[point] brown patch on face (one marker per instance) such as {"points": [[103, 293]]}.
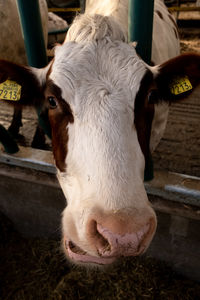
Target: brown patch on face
{"points": [[144, 113], [59, 118], [159, 14]]}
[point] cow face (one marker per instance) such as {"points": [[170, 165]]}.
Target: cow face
{"points": [[96, 148], [101, 108]]}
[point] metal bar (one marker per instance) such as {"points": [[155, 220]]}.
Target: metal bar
{"points": [[183, 8], [82, 5], [170, 186], [31, 24], [32, 31], [141, 26], [29, 158], [64, 9]]}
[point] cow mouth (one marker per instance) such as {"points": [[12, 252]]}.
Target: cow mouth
{"points": [[79, 255]]}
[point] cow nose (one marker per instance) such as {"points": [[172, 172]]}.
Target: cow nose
{"points": [[113, 244]]}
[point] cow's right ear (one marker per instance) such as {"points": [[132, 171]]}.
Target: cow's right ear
{"points": [[20, 84]]}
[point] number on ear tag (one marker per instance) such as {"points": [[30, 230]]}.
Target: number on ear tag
{"points": [[10, 90], [180, 85]]}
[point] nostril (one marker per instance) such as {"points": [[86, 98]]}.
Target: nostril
{"points": [[119, 241], [127, 243], [101, 243]]}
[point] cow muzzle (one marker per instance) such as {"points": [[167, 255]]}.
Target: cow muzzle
{"points": [[111, 239]]}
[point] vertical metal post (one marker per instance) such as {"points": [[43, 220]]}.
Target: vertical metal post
{"points": [[31, 24], [32, 31], [82, 5], [141, 26]]}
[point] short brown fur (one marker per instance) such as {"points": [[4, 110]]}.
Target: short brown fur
{"points": [[59, 118]]}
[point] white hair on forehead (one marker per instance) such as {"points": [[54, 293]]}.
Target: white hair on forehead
{"points": [[94, 27], [97, 66], [107, 65]]}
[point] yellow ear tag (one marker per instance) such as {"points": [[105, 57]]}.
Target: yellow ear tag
{"points": [[10, 90], [180, 85]]}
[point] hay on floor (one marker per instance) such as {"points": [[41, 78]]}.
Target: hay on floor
{"points": [[36, 269]]}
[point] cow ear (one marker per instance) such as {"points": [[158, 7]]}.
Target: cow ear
{"points": [[21, 85], [178, 77]]}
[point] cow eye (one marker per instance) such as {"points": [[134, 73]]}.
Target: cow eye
{"points": [[52, 102], [153, 96]]}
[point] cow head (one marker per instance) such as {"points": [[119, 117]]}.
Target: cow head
{"points": [[100, 98]]}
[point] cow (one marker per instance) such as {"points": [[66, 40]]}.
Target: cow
{"points": [[107, 109], [14, 50]]}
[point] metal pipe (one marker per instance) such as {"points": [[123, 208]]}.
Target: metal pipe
{"points": [[183, 8], [31, 24], [32, 31], [140, 26], [64, 9], [140, 23]]}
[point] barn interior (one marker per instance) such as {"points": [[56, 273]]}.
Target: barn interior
{"points": [[32, 265]]}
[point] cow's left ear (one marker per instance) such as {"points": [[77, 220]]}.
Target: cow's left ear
{"points": [[178, 77], [20, 84]]}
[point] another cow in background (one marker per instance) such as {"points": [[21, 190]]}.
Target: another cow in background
{"points": [[12, 48]]}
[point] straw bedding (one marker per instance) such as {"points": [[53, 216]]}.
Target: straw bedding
{"points": [[36, 269]]}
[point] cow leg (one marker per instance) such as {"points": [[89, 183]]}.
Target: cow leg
{"points": [[39, 139], [16, 122]]}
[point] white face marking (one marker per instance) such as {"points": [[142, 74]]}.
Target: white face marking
{"points": [[103, 182], [104, 162]]}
